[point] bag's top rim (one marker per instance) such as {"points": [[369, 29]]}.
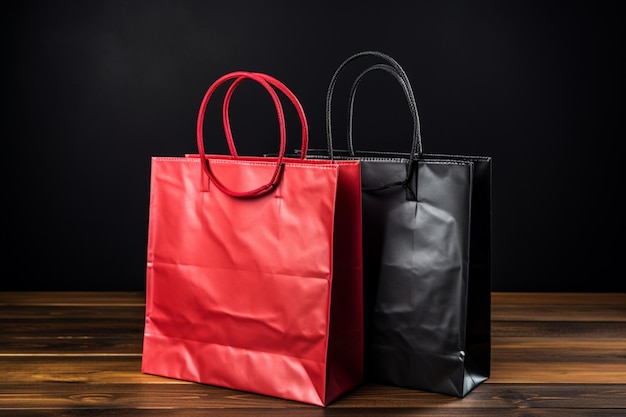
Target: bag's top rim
{"points": [[394, 156]]}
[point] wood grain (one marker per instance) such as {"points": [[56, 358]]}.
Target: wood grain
{"points": [[79, 353]]}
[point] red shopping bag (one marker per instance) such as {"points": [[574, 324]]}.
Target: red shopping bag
{"points": [[254, 267]]}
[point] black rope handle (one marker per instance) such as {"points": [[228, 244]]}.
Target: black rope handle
{"points": [[416, 146], [391, 70], [412, 106]]}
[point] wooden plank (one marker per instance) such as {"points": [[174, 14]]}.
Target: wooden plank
{"points": [[129, 327], [561, 349], [504, 350], [530, 372], [126, 369], [592, 346], [492, 395], [59, 345], [181, 411], [558, 298], [125, 335], [134, 298], [79, 368], [59, 312], [164, 396], [559, 312], [65, 329], [558, 329], [73, 298], [77, 298], [131, 324], [558, 360]]}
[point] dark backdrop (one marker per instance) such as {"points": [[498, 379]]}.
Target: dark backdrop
{"points": [[95, 88]]}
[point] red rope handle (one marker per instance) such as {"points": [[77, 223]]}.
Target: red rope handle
{"points": [[261, 79], [285, 90]]}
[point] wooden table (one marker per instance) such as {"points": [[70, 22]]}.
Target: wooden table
{"points": [[79, 353]]}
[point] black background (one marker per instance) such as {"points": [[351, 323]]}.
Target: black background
{"points": [[95, 88]]}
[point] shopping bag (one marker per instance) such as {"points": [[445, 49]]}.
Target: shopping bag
{"points": [[427, 254], [254, 267]]}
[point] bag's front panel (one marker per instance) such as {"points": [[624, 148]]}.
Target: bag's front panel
{"points": [[239, 289], [242, 231], [416, 255]]}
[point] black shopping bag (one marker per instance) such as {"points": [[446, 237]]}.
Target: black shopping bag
{"points": [[427, 255]]}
